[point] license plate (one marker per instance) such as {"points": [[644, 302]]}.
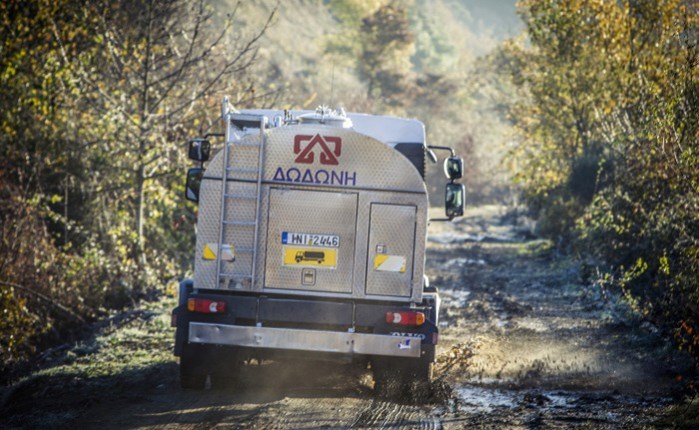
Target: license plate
{"points": [[309, 239]]}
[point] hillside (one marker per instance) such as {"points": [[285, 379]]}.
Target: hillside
{"points": [[451, 40]]}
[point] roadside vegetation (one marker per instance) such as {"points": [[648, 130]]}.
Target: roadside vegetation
{"points": [[98, 100], [125, 356], [607, 121]]}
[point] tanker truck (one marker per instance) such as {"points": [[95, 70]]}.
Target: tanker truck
{"points": [[310, 244]]}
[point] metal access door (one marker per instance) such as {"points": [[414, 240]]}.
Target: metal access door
{"points": [[391, 250], [311, 241]]}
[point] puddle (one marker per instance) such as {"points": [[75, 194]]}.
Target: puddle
{"points": [[457, 298], [483, 399], [454, 237], [461, 262], [478, 399]]}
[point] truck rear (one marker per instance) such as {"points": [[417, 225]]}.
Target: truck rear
{"points": [[311, 243]]}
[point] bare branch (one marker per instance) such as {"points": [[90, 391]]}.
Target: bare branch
{"points": [[44, 298]]}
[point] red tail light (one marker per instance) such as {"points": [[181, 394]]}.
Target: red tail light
{"points": [[206, 306], [405, 318]]}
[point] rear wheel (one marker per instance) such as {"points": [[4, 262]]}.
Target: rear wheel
{"points": [[387, 378], [192, 372], [401, 377], [225, 368], [419, 370]]}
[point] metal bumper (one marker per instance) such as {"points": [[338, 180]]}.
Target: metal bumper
{"points": [[304, 340]]}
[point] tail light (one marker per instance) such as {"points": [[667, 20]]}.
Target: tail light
{"points": [[405, 318], [206, 306]]}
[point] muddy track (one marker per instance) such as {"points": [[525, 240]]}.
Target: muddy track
{"points": [[383, 414], [524, 344]]}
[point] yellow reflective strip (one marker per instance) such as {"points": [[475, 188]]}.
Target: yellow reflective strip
{"points": [[379, 260], [389, 263]]}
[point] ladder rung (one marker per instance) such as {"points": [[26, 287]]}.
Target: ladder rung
{"points": [[235, 275], [245, 144], [245, 123], [239, 222], [240, 196], [247, 120], [242, 169]]}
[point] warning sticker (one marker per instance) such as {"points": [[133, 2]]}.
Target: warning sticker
{"points": [[211, 249], [310, 257], [389, 263]]}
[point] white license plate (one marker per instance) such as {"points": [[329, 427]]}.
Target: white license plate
{"points": [[309, 239]]}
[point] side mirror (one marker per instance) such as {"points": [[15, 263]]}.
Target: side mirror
{"points": [[194, 176], [199, 150], [454, 167], [454, 200]]}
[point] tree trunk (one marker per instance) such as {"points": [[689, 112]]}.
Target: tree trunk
{"points": [[140, 209], [142, 147]]}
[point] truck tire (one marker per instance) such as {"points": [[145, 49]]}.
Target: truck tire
{"points": [[396, 377], [419, 380], [225, 368], [420, 370], [192, 373], [387, 379]]}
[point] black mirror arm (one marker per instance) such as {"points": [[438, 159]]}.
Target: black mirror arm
{"points": [[208, 135], [440, 219], [432, 156], [443, 148]]}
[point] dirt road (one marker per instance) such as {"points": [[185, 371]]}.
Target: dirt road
{"points": [[524, 344]]}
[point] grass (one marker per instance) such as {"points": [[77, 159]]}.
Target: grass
{"points": [[682, 416], [120, 356]]}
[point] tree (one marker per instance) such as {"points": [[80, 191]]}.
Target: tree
{"points": [[572, 72], [153, 70], [608, 118], [387, 46], [378, 43], [97, 97]]}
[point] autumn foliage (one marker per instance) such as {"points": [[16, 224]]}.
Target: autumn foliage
{"points": [[98, 101], [608, 153]]}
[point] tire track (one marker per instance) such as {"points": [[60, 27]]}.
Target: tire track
{"points": [[383, 415]]}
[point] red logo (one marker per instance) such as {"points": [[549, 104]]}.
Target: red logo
{"points": [[306, 154]]}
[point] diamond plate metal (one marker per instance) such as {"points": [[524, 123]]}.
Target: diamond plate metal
{"points": [[392, 227], [312, 212], [364, 162], [377, 175], [207, 232]]}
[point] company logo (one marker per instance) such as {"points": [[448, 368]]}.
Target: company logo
{"points": [[305, 148]]}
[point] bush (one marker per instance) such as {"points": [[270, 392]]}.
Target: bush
{"points": [[609, 122], [45, 292]]}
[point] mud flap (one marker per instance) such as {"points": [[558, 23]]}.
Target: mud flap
{"points": [[181, 316], [397, 376]]}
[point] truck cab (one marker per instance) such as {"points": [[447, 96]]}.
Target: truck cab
{"points": [[311, 240]]}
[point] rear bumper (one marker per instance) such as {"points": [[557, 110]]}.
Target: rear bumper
{"points": [[304, 340]]}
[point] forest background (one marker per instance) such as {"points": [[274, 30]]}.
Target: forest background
{"points": [[584, 113]]}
